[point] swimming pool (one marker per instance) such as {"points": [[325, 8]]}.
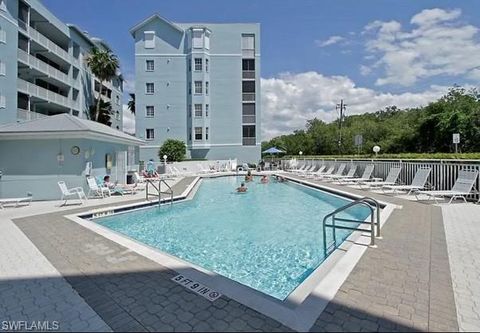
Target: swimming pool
{"points": [[269, 238]]}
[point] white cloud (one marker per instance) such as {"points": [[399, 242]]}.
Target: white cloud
{"points": [[289, 100], [438, 45], [330, 41], [128, 120]]}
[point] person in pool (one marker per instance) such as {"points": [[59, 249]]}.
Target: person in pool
{"points": [[264, 179], [242, 188], [279, 179], [249, 176]]}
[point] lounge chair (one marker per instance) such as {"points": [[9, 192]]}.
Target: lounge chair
{"points": [[463, 186], [418, 182], [204, 170], [304, 171], [339, 172], [302, 167], [312, 174], [321, 174], [366, 176], [350, 174], [69, 192], [391, 179], [97, 190], [17, 202]]}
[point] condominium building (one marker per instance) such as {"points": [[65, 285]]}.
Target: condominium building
{"points": [[199, 83], [43, 69]]}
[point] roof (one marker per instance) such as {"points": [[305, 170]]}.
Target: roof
{"points": [[152, 18], [66, 126]]}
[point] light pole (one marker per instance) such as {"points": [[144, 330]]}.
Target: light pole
{"points": [[165, 160], [341, 109], [376, 150]]}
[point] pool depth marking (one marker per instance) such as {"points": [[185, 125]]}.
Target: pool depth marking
{"points": [[197, 287]]}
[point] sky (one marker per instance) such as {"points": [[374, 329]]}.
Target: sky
{"points": [[371, 53]]}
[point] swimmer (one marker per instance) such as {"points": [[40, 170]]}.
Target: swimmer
{"points": [[242, 188], [264, 179], [249, 176], [279, 179]]}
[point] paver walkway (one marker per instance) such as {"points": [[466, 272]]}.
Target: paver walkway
{"points": [[402, 285], [462, 226]]}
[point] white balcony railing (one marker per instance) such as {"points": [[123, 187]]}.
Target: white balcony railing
{"points": [[42, 66], [42, 93], [248, 119], [29, 115], [248, 141], [248, 97], [50, 45]]}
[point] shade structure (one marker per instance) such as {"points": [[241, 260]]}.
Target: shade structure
{"points": [[273, 150]]}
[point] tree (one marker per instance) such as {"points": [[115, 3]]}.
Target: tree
{"points": [[104, 65], [104, 114], [131, 103], [174, 149]]}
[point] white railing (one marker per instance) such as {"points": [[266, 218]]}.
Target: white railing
{"points": [[42, 66], [442, 177], [29, 115], [48, 44], [248, 97], [37, 91]]}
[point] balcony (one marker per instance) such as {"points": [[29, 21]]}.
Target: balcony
{"points": [[29, 115], [249, 141], [248, 97], [43, 67], [42, 93], [23, 25], [248, 75], [249, 119], [49, 45]]}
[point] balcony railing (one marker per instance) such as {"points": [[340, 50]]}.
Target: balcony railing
{"points": [[249, 141], [23, 25], [249, 119], [42, 93], [50, 45], [248, 74], [29, 115], [42, 66], [248, 97]]}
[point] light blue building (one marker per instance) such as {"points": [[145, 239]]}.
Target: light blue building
{"points": [[42, 66], [199, 83]]}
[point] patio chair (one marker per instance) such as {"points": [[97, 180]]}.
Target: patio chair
{"points": [[391, 179], [97, 190], [69, 192], [312, 174], [321, 174], [308, 169], [366, 176], [350, 174], [418, 183], [302, 167], [17, 202], [463, 186], [337, 173]]}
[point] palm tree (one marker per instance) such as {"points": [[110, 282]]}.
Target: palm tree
{"points": [[104, 65], [131, 103], [103, 114]]}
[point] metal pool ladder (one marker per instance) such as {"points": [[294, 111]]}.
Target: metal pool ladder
{"points": [[374, 231], [159, 190]]}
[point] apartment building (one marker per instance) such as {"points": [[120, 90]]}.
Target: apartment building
{"points": [[199, 83], [43, 69]]}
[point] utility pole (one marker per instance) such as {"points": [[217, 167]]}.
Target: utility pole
{"points": [[341, 110]]}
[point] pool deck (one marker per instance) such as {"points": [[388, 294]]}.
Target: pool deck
{"points": [[54, 269]]}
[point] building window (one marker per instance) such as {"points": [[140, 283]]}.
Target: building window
{"points": [[197, 39], [117, 115], [207, 108], [248, 68], [248, 113], [248, 91], [3, 35], [198, 64], [198, 87], [149, 111], [97, 86], [206, 65], [149, 134], [207, 40], [248, 135], [198, 110], [198, 133], [117, 99], [150, 65], [206, 88], [150, 88], [248, 46], [189, 88], [189, 134], [206, 133], [3, 68], [149, 38]]}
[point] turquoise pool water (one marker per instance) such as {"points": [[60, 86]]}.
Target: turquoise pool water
{"points": [[269, 238]]}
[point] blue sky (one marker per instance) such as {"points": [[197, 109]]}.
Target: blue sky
{"points": [[397, 51]]}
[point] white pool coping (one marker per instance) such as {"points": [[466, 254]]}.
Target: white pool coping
{"points": [[301, 308]]}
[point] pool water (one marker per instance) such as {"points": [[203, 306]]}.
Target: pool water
{"points": [[269, 238]]}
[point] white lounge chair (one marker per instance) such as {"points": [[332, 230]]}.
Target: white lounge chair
{"points": [[69, 192], [339, 172], [350, 174], [321, 174], [17, 202], [304, 171], [418, 183], [366, 176], [391, 179], [96, 190], [463, 186], [302, 167], [312, 174]]}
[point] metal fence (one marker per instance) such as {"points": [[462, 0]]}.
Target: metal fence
{"points": [[442, 177]]}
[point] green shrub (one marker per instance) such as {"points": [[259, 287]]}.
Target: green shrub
{"points": [[174, 149]]}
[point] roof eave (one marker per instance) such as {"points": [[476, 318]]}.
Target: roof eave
{"points": [[150, 18]]}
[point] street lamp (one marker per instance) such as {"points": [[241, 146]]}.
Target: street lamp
{"points": [[376, 150], [165, 159]]}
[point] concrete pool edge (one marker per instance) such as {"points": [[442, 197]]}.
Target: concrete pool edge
{"points": [[299, 311]]}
